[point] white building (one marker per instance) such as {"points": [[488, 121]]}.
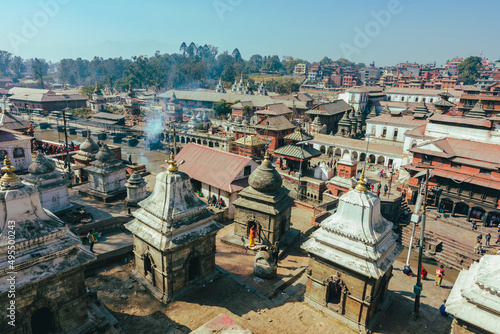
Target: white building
{"points": [[416, 95], [216, 173], [17, 147], [356, 96], [392, 127]]}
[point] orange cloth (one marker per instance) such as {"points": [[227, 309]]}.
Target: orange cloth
{"points": [[253, 232]]}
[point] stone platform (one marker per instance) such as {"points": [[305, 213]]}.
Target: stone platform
{"points": [[106, 198], [234, 240]]}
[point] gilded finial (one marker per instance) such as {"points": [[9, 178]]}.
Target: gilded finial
{"points": [[361, 186], [5, 111], [8, 170], [173, 167], [267, 157]]}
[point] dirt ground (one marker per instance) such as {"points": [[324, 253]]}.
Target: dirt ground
{"points": [[234, 294]]}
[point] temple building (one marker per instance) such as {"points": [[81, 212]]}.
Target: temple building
{"points": [[346, 171], [220, 87], [86, 153], [131, 105], [16, 146], [249, 146], [330, 114], [51, 184], [443, 105], [350, 261], [174, 237], [136, 189], [297, 154], [474, 301], [477, 111], [317, 127], [265, 202], [50, 290], [97, 101], [240, 87], [107, 176]]}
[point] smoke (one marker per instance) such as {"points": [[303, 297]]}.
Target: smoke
{"points": [[154, 127]]}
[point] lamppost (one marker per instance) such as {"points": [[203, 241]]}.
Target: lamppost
{"points": [[391, 173], [418, 287], [368, 136], [68, 162]]}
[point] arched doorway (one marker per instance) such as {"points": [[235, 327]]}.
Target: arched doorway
{"points": [[210, 144], [355, 155], [362, 157], [380, 160], [183, 140], [446, 205], [477, 213], [338, 152], [493, 218], [198, 141], [371, 158], [42, 321], [461, 209], [322, 149], [329, 151], [345, 152]]}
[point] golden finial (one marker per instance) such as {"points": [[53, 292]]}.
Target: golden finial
{"points": [[361, 186], [173, 167], [8, 170], [267, 157], [479, 101], [5, 111]]}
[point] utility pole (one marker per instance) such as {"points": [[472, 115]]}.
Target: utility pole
{"points": [[418, 286], [300, 168], [68, 162]]}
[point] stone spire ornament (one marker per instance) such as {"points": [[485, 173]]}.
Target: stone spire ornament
{"points": [[172, 162], [8, 169]]}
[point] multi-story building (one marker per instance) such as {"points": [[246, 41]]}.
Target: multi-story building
{"points": [[29, 99], [489, 96]]}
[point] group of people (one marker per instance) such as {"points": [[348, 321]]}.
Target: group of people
{"points": [[379, 188], [219, 204], [50, 149], [423, 273]]}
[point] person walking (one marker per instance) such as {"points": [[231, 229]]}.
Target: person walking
{"points": [[91, 238], [275, 251], [439, 275], [378, 192], [474, 224], [386, 188]]}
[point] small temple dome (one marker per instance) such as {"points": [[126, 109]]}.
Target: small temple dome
{"points": [[265, 178], [105, 154], [41, 165], [89, 146]]}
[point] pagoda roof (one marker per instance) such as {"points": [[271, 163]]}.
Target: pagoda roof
{"points": [[297, 152]]}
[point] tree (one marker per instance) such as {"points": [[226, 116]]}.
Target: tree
{"points": [[468, 70], [247, 110], [287, 87], [237, 55], [273, 64], [326, 61], [17, 67], [39, 69], [222, 108], [183, 48], [5, 59]]}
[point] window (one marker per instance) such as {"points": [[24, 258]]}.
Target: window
{"points": [[416, 99], [432, 100], [402, 99], [18, 152], [455, 165], [427, 159], [384, 132], [247, 170]]}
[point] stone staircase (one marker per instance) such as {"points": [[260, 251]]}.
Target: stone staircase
{"points": [[445, 250]]}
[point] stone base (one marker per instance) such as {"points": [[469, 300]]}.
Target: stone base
{"points": [[131, 203], [286, 241], [362, 328], [106, 198], [164, 298]]}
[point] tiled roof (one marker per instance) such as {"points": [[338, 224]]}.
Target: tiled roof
{"points": [[297, 151], [108, 115], [250, 141], [275, 110], [332, 108], [404, 120], [479, 122], [213, 166], [299, 135], [277, 123], [417, 132], [10, 122], [10, 135]]}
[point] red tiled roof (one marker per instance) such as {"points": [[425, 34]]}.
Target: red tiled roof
{"points": [[275, 110], [213, 166], [417, 132], [404, 120]]}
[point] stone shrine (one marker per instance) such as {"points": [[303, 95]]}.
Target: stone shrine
{"points": [[51, 185], [50, 290], [107, 176], [474, 300], [266, 202], [350, 261], [174, 237], [136, 189]]}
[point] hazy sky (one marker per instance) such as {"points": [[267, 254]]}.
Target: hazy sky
{"points": [[363, 31]]}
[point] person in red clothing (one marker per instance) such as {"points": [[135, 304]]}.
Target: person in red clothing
{"points": [[423, 273], [251, 236]]}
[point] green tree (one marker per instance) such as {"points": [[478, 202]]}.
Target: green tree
{"points": [[183, 48], [247, 111], [237, 55], [5, 59], [326, 61], [17, 67], [468, 70], [287, 87], [222, 108]]}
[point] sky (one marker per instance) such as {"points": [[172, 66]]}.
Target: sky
{"points": [[385, 32]]}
